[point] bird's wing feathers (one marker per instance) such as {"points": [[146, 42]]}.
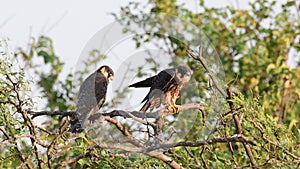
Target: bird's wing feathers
{"points": [[161, 83], [86, 96], [144, 83], [165, 86], [91, 97], [163, 79], [101, 84]]}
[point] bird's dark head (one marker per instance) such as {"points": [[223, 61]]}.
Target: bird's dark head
{"points": [[183, 73], [107, 72]]}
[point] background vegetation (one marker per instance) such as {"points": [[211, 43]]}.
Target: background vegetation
{"points": [[258, 128]]}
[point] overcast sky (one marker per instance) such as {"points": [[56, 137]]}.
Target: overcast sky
{"points": [[70, 23]]}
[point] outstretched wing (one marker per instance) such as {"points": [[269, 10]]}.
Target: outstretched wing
{"points": [[161, 84], [91, 97], [144, 83], [164, 87]]}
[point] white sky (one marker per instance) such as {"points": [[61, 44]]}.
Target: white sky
{"points": [[70, 23]]}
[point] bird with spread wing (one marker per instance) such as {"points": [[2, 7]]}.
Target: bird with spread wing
{"points": [[165, 87], [91, 96]]}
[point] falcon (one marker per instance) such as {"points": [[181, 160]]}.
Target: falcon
{"points": [[91, 96], [165, 87]]}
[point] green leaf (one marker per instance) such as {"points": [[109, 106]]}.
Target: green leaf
{"points": [[46, 56], [81, 161], [290, 3]]}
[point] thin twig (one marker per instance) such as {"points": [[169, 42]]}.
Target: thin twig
{"points": [[202, 61], [204, 142]]}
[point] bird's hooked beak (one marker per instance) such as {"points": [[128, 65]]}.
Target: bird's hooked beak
{"points": [[110, 78], [187, 76], [190, 73]]}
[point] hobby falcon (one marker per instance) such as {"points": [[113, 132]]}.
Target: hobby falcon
{"points": [[92, 94], [165, 87]]}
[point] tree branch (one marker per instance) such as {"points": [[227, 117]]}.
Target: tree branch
{"points": [[124, 131], [204, 142], [239, 126], [200, 58], [129, 114], [50, 113]]}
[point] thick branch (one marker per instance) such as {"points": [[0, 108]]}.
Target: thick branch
{"points": [[50, 113], [165, 158], [115, 113], [125, 114]]}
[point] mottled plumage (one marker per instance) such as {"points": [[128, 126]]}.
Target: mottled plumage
{"points": [[164, 87], [91, 96]]}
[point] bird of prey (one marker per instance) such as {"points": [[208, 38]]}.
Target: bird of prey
{"points": [[165, 87], [91, 96]]}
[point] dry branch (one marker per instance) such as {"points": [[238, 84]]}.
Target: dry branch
{"points": [[200, 58], [204, 142], [51, 113]]}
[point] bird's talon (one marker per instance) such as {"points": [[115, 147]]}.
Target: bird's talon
{"points": [[175, 108], [178, 109]]}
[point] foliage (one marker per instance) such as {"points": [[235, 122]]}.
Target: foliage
{"points": [[254, 46], [257, 127]]}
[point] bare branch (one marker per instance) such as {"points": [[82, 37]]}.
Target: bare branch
{"points": [[50, 113], [191, 155], [200, 58], [114, 113], [153, 151], [124, 130], [202, 61], [165, 158], [202, 143]]}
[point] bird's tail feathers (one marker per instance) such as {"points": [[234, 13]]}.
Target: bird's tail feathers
{"points": [[155, 102], [76, 127], [145, 107]]}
